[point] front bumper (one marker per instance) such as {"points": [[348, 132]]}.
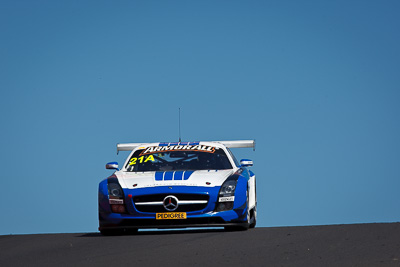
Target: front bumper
{"points": [[206, 217], [164, 224]]}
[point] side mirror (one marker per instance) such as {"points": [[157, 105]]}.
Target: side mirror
{"points": [[246, 163], [112, 166]]}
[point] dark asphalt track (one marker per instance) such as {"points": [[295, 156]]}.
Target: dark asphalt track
{"points": [[334, 245]]}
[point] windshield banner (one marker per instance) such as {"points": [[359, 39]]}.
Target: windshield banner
{"points": [[155, 149]]}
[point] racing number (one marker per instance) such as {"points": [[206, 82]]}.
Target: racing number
{"points": [[141, 159]]}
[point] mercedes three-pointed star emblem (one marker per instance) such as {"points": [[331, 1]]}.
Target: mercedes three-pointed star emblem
{"points": [[170, 203]]}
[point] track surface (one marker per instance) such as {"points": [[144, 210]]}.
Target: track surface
{"points": [[334, 245]]}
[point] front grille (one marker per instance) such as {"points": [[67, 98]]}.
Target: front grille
{"points": [[186, 202]]}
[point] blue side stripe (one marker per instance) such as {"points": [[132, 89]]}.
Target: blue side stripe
{"points": [[173, 144], [178, 175], [159, 176], [168, 176], [163, 144], [187, 174], [174, 175]]}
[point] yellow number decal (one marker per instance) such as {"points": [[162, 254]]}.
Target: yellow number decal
{"points": [[132, 161], [149, 158], [141, 160]]}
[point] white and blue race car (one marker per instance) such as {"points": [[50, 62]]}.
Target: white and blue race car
{"points": [[178, 185]]}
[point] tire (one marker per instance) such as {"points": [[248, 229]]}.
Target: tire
{"points": [[131, 231], [244, 227], [253, 218], [112, 232]]}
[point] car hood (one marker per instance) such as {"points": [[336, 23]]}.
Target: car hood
{"points": [[205, 178]]}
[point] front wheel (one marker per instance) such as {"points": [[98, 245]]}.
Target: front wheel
{"points": [[246, 225], [253, 217], [111, 232]]}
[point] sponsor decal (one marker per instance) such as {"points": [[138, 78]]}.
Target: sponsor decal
{"points": [[116, 201], [155, 149], [171, 215], [226, 199]]}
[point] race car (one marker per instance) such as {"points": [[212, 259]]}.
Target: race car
{"points": [[178, 185]]}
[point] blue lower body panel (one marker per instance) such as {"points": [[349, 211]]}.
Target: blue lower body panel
{"points": [[135, 217]]}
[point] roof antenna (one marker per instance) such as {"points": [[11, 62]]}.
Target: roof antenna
{"points": [[179, 125]]}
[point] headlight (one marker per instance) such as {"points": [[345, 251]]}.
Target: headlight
{"points": [[116, 196], [115, 190], [226, 194], [228, 188]]}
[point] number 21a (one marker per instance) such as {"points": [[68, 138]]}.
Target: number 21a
{"points": [[141, 159]]}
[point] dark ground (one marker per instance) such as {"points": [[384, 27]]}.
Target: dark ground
{"points": [[333, 245]]}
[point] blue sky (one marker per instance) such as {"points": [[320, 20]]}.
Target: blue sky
{"points": [[316, 83]]}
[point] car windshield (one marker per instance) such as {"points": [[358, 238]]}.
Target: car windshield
{"points": [[178, 161]]}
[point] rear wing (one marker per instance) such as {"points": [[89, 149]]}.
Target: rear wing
{"points": [[229, 144], [238, 143], [129, 146]]}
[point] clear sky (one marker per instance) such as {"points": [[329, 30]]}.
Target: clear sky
{"points": [[316, 83]]}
